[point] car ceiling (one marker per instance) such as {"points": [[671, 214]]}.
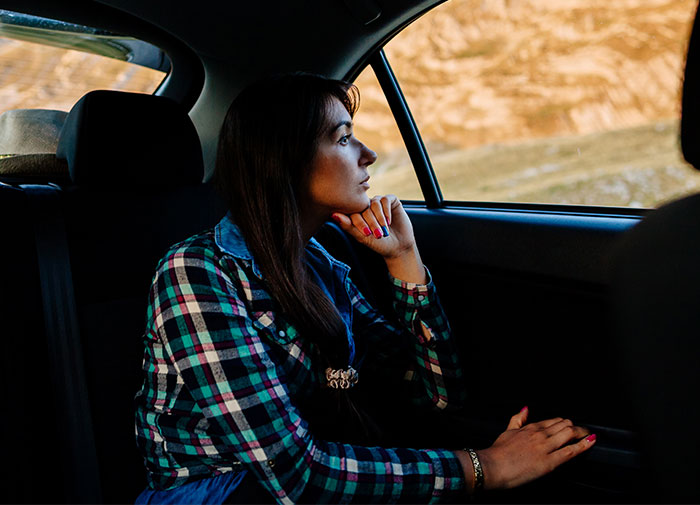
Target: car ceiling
{"points": [[272, 30], [318, 35]]}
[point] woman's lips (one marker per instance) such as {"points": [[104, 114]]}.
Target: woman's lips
{"points": [[364, 183]]}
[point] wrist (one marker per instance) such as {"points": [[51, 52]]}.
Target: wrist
{"points": [[492, 479], [401, 254], [407, 266], [467, 469]]}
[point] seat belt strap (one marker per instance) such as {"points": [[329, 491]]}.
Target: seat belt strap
{"points": [[65, 350]]}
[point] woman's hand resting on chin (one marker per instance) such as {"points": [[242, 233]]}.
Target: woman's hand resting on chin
{"points": [[368, 227], [385, 228]]}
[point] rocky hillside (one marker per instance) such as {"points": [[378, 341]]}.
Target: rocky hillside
{"points": [[540, 100], [34, 76], [484, 71]]}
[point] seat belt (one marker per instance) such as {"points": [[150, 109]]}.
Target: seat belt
{"points": [[82, 482]]}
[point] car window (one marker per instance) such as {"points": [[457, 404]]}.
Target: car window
{"points": [[573, 102], [47, 64], [374, 125]]}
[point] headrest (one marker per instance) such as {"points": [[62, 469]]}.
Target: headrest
{"points": [[30, 131], [117, 139]]}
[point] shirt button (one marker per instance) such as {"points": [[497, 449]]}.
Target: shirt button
{"points": [[421, 298], [281, 333], [270, 463]]}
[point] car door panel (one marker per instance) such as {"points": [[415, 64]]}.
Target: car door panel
{"points": [[527, 295]]}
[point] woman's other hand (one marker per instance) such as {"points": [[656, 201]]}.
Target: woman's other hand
{"points": [[384, 227], [525, 452]]}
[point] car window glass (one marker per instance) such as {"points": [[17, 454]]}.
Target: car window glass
{"points": [[47, 64], [375, 126], [574, 102]]}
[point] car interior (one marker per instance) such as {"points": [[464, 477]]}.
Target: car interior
{"points": [[576, 311]]}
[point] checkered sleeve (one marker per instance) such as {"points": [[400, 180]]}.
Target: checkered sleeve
{"points": [[418, 349], [226, 365]]}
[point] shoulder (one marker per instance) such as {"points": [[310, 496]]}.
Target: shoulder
{"points": [[193, 257], [316, 248]]}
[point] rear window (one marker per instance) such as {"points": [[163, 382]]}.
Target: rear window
{"points": [[50, 64]]}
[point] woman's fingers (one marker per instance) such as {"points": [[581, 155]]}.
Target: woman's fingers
{"points": [[351, 225], [383, 226], [547, 423], [371, 221], [387, 203], [565, 435], [550, 427], [361, 225], [569, 451], [375, 218], [517, 421]]}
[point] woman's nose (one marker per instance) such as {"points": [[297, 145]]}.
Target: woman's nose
{"points": [[368, 156]]}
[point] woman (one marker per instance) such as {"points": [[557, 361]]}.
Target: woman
{"points": [[259, 345]]}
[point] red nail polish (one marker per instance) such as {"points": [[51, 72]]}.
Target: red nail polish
{"points": [[367, 231], [378, 233], [335, 218], [591, 438], [523, 409]]}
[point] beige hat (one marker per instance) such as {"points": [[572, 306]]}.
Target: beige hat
{"points": [[30, 131]]}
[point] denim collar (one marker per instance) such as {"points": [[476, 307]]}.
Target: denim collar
{"points": [[329, 273], [229, 239]]}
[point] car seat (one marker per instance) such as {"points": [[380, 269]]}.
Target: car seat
{"points": [[656, 297]]}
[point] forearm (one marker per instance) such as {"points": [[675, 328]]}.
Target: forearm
{"points": [[436, 369], [340, 473]]}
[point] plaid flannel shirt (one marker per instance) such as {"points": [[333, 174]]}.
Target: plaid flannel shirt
{"points": [[222, 372]]}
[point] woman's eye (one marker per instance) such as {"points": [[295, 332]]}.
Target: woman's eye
{"points": [[344, 139]]}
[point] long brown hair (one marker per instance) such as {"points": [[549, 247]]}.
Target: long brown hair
{"points": [[268, 140]]}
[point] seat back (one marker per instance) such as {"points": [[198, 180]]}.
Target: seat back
{"points": [[136, 168], [656, 297]]}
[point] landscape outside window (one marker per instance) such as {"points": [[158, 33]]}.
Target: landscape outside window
{"points": [[568, 101], [38, 76]]}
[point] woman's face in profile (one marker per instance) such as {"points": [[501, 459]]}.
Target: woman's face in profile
{"points": [[338, 174]]}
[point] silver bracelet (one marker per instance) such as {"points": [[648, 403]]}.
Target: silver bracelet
{"points": [[478, 471]]}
